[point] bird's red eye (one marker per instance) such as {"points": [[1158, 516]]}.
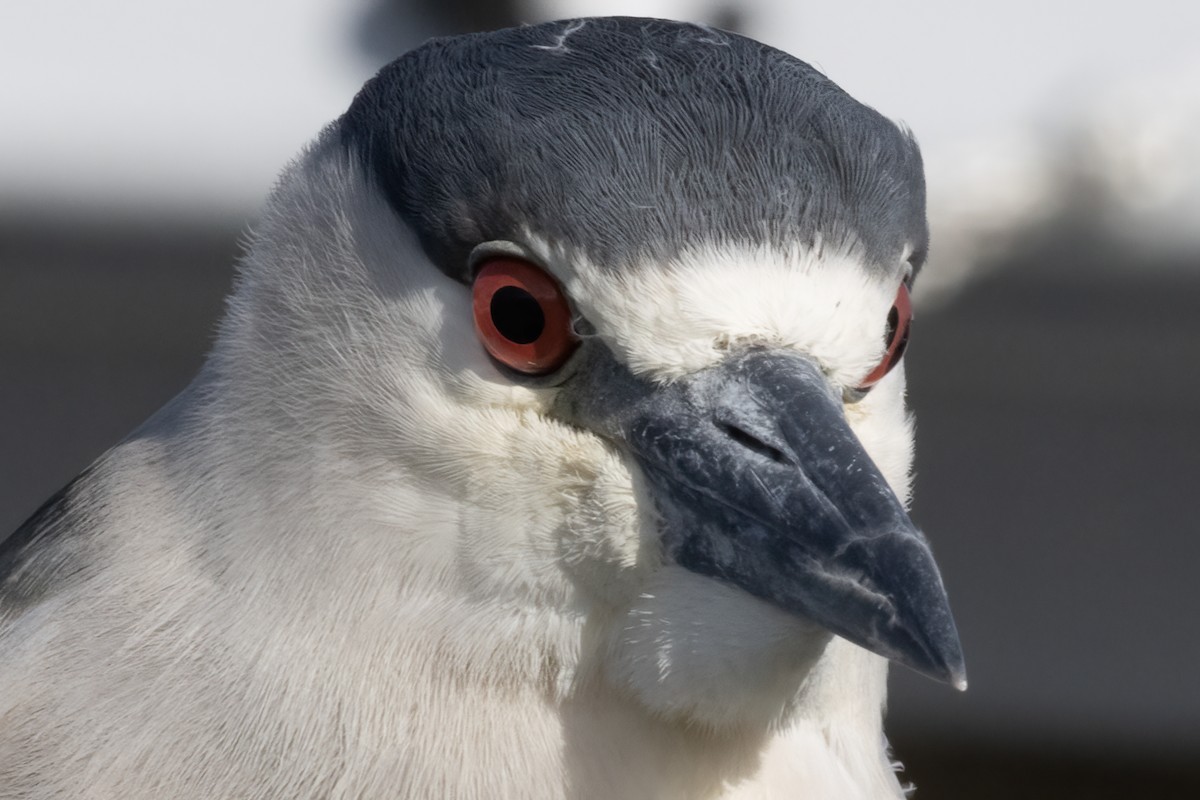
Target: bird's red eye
{"points": [[899, 321], [522, 316]]}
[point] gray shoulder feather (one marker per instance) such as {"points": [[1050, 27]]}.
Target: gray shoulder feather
{"points": [[43, 551]]}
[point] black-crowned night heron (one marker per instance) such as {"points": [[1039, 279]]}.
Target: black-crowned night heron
{"points": [[553, 445]]}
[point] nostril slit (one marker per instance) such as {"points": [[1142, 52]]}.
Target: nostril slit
{"points": [[751, 442]]}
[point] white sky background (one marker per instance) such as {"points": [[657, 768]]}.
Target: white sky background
{"points": [[199, 104], [191, 103]]}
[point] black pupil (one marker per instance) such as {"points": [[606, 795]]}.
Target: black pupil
{"points": [[893, 323], [517, 315]]}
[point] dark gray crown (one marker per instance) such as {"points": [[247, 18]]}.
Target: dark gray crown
{"points": [[631, 139]]}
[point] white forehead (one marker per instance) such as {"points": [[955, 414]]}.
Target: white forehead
{"points": [[669, 320]]}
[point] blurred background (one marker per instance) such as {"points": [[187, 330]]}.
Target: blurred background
{"points": [[1055, 366]]}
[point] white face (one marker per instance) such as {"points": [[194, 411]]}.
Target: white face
{"points": [[546, 516]]}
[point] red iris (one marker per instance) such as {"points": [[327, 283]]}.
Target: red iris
{"points": [[899, 322], [522, 316]]}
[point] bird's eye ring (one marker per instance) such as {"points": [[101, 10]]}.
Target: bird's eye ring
{"points": [[899, 322], [522, 316]]}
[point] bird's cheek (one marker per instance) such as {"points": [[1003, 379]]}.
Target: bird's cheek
{"points": [[609, 538]]}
